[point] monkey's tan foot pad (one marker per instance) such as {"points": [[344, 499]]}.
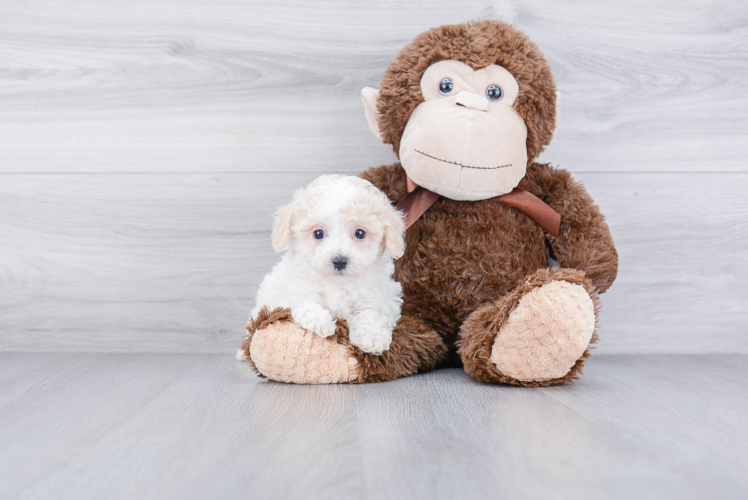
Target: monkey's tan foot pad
{"points": [[285, 352], [546, 333]]}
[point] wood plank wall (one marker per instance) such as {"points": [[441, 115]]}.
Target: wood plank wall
{"points": [[145, 145]]}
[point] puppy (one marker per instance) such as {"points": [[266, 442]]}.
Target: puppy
{"points": [[340, 235]]}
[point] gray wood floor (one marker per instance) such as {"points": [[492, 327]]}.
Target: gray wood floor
{"points": [[203, 426]]}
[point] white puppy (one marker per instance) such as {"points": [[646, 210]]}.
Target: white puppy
{"points": [[340, 235]]}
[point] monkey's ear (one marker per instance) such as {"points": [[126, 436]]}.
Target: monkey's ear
{"points": [[558, 112], [370, 96], [282, 228]]}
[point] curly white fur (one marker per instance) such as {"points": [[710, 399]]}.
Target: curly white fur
{"points": [[306, 279]]}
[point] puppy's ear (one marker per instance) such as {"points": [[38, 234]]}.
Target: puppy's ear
{"points": [[394, 232], [282, 228]]}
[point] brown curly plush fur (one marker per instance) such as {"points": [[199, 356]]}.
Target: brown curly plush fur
{"points": [[462, 255], [415, 348], [477, 44], [467, 263]]}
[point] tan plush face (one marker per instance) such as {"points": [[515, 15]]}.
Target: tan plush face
{"points": [[465, 141]]}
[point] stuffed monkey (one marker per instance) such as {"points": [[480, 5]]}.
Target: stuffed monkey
{"points": [[467, 108]]}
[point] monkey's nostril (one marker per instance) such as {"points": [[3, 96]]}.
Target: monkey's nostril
{"points": [[339, 262], [471, 101]]}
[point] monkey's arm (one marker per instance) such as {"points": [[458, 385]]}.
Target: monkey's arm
{"points": [[584, 241], [389, 178]]}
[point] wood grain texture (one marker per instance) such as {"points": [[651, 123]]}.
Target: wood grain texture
{"points": [[145, 145], [203, 426], [267, 86], [170, 262]]}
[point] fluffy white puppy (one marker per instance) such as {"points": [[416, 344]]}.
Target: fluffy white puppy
{"points": [[340, 235]]}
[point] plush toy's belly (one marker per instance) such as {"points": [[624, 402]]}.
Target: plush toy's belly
{"points": [[460, 255]]}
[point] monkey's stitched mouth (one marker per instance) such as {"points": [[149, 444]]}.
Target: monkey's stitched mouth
{"points": [[460, 164]]}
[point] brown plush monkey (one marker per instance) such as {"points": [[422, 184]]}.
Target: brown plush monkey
{"points": [[467, 108]]}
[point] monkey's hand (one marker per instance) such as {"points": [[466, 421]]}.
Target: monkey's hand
{"points": [[584, 241]]}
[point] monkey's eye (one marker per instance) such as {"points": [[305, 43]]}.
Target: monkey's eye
{"points": [[360, 234], [446, 86], [319, 234], [494, 92]]}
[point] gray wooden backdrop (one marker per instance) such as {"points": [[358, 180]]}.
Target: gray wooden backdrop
{"points": [[145, 145]]}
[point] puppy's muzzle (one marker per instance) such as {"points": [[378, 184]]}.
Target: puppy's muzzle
{"points": [[339, 262]]}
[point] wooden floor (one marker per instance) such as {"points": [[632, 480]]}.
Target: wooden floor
{"points": [[203, 426]]}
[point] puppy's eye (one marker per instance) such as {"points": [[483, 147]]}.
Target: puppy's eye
{"points": [[319, 234], [494, 92], [446, 86], [360, 234]]}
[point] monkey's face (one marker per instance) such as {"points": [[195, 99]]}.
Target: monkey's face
{"points": [[465, 141], [466, 107]]}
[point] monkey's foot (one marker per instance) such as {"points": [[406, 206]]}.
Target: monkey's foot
{"points": [[546, 334], [279, 349], [538, 334]]}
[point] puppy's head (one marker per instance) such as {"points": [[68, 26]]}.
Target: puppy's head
{"points": [[341, 225]]}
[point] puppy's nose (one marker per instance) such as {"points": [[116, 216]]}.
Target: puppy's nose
{"points": [[339, 263]]}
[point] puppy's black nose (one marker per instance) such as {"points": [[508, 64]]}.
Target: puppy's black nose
{"points": [[339, 263]]}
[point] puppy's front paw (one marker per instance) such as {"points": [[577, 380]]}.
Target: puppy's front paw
{"points": [[371, 339], [314, 319]]}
